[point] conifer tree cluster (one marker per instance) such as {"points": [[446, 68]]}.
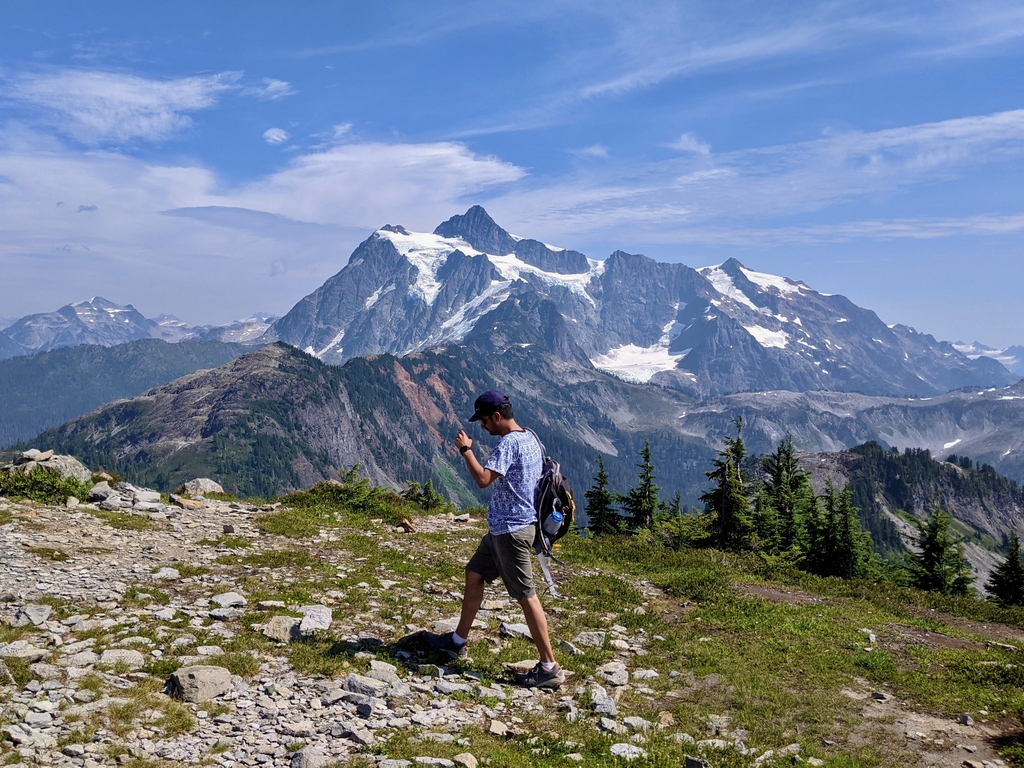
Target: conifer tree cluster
{"points": [[767, 505]]}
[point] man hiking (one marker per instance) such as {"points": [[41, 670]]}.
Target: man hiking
{"points": [[513, 470]]}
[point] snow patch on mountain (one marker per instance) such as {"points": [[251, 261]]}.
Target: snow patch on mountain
{"points": [[766, 337], [636, 364], [374, 297], [639, 364], [723, 283], [512, 268], [781, 284], [428, 254]]}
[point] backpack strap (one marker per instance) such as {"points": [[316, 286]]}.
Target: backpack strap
{"points": [[543, 450]]}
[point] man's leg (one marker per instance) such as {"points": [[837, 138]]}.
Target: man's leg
{"points": [[538, 624], [472, 597]]}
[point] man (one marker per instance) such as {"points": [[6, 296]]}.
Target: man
{"points": [[513, 470]]}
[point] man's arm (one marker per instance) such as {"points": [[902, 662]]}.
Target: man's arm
{"points": [[482, 476]]}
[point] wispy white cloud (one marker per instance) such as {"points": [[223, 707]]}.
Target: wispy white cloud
{"points": [[276, 135], [269, 90], [594, 151], [687, 142], [95, 106], [700, 195], [272, 239]]}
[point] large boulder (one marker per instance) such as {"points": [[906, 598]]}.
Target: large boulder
{"points": [[199, 683], [201, 486], [64, 467]]}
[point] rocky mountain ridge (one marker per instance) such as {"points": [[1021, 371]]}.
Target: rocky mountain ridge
{"points": [[703, 331]]}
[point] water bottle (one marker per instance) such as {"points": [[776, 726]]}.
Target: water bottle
{"points": [[553, 523]]}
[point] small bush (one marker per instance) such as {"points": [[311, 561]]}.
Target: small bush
{"points": [[39, 485]]}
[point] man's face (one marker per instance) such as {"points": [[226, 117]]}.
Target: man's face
{"points": [[489, 423]]}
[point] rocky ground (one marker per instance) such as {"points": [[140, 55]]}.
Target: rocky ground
{"points": [[139, 632]]}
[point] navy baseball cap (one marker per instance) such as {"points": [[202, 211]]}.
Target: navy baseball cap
{"points": [[487, 404]]}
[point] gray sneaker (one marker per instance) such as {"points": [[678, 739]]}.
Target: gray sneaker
{"points": [[538, 677], [445, 643]]}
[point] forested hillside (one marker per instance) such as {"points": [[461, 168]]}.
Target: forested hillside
{"points": [[41, 391]]}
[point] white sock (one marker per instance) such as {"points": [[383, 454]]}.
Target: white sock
{"points": [[549, 665], [458, 640]]}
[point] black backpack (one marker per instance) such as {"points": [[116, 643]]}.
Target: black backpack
{"points": [[555, 510]]}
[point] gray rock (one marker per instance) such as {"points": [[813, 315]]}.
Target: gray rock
{"points": [[282, 629], [147, 497], [367, 686], [201, 486], [569, 648], [38, 719], [439, 762], [638, 723], [965, 719], [609, 725], [310, 758], [114, 656], [229, 600], [165, 614], [315, 618], [590, 639], [226, 614], [645, 674], [100, 491], [36, 614], [628, 751], [390, 763], [381, 670], [515, 630], [67, 468], [167, 574], [22, 649], [605, 705], [614, 672], [199, 683], [696, 762], [465, 760]]}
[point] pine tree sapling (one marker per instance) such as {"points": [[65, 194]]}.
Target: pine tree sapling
{"points": [[1006, 582], [727, 501], [940, 566], [601, 515], [641, 503]]}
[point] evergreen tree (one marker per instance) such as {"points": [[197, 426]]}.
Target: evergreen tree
{"points": [[786, 500], [641, 503], [601, 515], [1006, 583], [940, 566], [727, 501], [838, 545]]}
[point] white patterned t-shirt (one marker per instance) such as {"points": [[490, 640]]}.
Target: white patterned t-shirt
{"points": [[517, 458]]}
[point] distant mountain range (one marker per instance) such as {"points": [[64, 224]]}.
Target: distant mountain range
{"points": [[706, 331], [102, 322], [1012, 358]]}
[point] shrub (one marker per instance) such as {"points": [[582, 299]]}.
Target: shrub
{"points": [[39, 485]]}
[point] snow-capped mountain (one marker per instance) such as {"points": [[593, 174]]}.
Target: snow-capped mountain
{"points": [[704, 331], [102, 322], [1012, 358], [96, 321]]}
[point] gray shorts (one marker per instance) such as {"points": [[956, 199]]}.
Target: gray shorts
{"points": [[507, 555]]}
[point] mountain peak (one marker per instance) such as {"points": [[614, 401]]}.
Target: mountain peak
{"points": [[478, 229]]}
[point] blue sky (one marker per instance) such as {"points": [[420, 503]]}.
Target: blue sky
{"points": [[212, 159]]}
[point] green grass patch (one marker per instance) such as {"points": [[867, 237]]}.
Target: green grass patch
{"points": [[227, 542], [5, 516], [237, 662]]}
